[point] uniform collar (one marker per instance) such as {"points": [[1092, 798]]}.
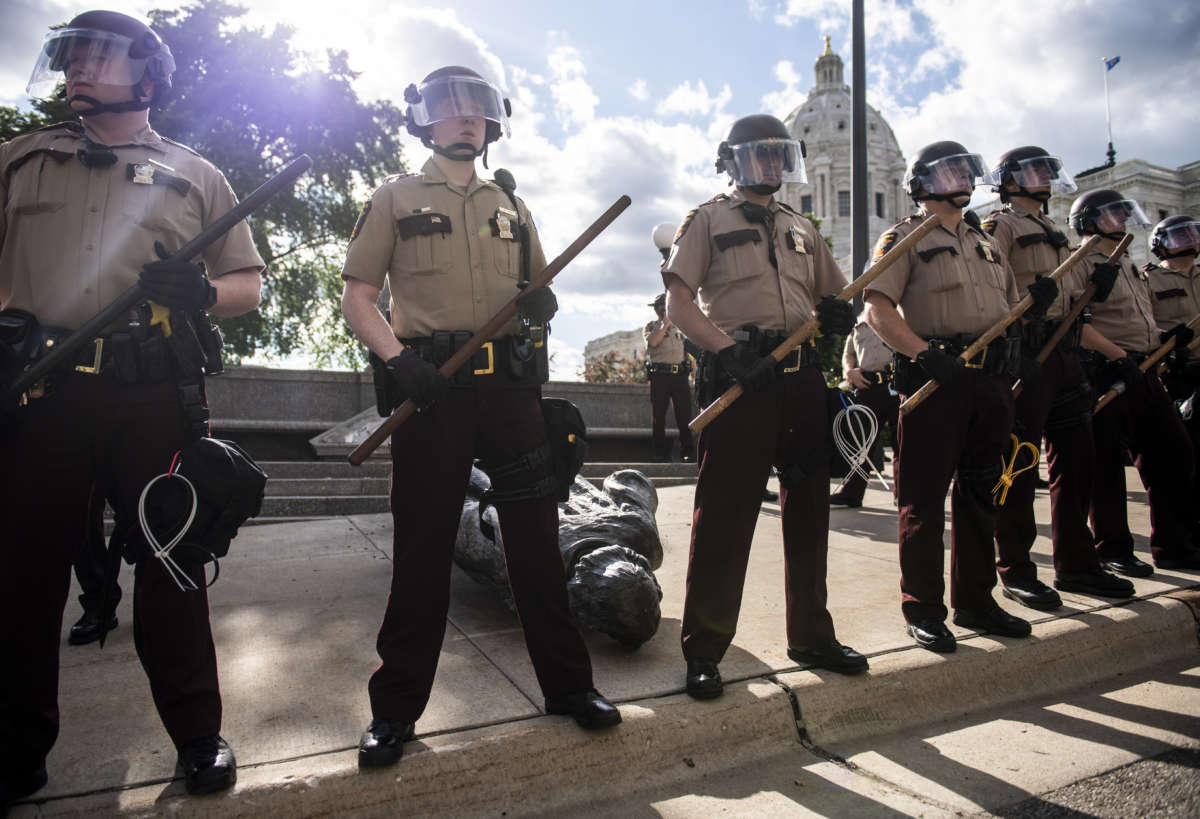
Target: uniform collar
{"points": [[737, 199], [146, 137], [431, 174]]}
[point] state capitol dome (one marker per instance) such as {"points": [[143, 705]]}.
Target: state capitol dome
{"points": [[822, 121]]}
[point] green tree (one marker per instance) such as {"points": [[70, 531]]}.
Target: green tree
{"points": [[613, 368], [249, 102]]}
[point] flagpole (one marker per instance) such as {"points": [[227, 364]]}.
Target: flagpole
{"points": [[1112, 155]]}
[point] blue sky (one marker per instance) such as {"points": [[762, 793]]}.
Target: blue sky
{"points": [[624, 97]]}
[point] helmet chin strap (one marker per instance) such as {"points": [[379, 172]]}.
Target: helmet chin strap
{"points": [[458, 151], [958, 199], [762, 190], [1113, 235], [136, 103]]}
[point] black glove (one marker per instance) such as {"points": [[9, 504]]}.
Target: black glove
{"points": [[1182, 334], [940, 365], [836, 316], [537, 306], [176, 284], [417, 378], [749, 370], [1104, 276], [1124, 369], [1044, 290]]}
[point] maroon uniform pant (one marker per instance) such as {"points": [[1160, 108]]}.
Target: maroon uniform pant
{"points": [[91, 431], [671, 388], [886, 407], [1144, 422], [432, 452], [1056, 405], [784, 426], [959, 434]]}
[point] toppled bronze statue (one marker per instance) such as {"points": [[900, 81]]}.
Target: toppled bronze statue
{"points": [[610, 546]]}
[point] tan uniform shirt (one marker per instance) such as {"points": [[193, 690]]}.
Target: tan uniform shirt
{"points": [[1026, 240], [1126, 318], [1176, 295], [669, 350], [951, 282], [868, 349], [452, 256], [724, 258], [74, 238]]}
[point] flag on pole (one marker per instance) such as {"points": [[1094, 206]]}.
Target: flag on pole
{"points": [[1110, 62]]}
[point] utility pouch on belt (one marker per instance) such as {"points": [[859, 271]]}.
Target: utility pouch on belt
{"points": [[528, 360], [566, 433], [381, 378], [211, 343], [20, 340]]}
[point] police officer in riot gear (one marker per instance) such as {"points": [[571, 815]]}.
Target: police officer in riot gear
{"points": [[759, 270], [929, 306], [89, 206], [455, 248], [1175, 283], [1142, 419], [1057, 403]]}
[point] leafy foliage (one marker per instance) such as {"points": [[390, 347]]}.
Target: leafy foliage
{"points": [[614, 368], [249, 103]]}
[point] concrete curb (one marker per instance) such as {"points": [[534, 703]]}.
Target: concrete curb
{"points": [[915, 687], [543, 763]]}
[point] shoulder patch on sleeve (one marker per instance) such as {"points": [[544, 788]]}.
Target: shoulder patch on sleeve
{"points": [[684, 225], [362, 219], [989, 222], [885, 243]]}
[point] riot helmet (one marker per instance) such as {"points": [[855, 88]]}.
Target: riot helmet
{"points": [[945, 172], [1175, 237], [663, 237], [1107, 213], [1031, 167], [104, 48], [452, 92], [760, 155]]}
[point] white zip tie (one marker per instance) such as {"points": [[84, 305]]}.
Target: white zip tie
{"points": [[854, 430], [163, 553]]}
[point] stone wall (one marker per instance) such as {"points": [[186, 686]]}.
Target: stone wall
{"points": [[275, 413]]}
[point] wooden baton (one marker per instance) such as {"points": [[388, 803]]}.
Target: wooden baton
{"points": [[489, 330], [1155, 357], [809, 328], [1000, 326], [1085, 298]]}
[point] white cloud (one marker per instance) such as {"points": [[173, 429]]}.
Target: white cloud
{"points": [[574, 100], [781, 101], [688, 99], [639, 90]]}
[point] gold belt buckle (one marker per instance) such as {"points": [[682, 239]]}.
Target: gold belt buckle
{"points": [[795, 352], [95, 368], [674, 369], [491, 364], [982, 358]]}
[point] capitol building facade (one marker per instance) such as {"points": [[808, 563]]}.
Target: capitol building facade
{"points": [[822, 121]]}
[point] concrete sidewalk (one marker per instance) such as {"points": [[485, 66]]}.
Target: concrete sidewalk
{"points": [[297, 606]]}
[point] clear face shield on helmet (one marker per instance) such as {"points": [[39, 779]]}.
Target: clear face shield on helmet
{"points": [[1119, 216], [453, 97], [766, 162], [84, 55], [1042, 172], [957, 173], [1179, 236]]}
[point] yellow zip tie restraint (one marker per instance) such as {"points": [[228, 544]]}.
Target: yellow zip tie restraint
{"points": [[161, 315], [1009, 475]]}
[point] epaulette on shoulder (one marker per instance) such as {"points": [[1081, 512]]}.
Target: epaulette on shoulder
{"points": [[69, 125], [789, 208], [396, 177], [720, 197], [180, 145], [913, 218]]}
